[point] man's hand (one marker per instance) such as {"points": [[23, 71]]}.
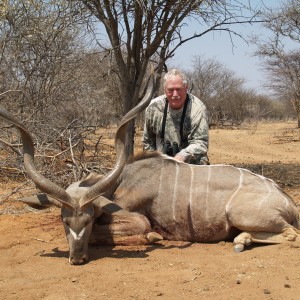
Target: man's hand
{"points": [[179, 157]]}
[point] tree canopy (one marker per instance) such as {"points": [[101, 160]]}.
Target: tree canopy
{"points": [[282, 65]]}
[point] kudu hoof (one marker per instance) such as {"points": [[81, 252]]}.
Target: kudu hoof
{"points": [[154, 237], [239, 247]]}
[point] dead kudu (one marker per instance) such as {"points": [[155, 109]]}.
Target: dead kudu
{"points": [[154, 195]]}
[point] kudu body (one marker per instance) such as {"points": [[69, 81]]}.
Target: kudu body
{"points": [[154, 195]]}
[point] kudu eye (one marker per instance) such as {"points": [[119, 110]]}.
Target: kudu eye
{"points": [[66, 221]]}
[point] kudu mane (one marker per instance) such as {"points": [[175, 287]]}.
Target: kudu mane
{"points": [[143, 155]]}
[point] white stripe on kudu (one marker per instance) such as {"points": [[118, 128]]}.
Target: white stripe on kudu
{"points": [[266, 197], [176, 183], [207, 190], [240, 185], [191, 192]]}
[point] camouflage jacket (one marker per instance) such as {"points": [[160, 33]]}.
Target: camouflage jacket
{"points": [[194, 144]]}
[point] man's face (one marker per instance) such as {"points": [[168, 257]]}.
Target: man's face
{"points": [[175, 92]]}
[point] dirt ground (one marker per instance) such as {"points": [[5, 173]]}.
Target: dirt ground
{"points": [[34, 251]]}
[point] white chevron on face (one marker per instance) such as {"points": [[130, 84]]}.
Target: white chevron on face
{"points": [[77, 236]]}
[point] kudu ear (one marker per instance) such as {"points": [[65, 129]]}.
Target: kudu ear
{"points": [[40, 200], [90, 180], [102, 204]]}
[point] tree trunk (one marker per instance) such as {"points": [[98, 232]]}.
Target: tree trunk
{"points": [[296, 106], [129, 144], [128, 100]]}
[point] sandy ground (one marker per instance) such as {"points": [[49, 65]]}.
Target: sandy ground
{"points": [[34, 251]]}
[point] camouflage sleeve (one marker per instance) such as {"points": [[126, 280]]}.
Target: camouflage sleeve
{"points": [[149, 136], [152, 125], [198, 137]]}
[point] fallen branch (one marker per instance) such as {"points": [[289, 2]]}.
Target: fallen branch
{"points": [[40, 240]]}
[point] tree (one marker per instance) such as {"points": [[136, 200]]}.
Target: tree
{"points": [[215, 84], [284, 22], [46, 80], [281, 65], [227, 100], [143, 32], [283, 69], [39, 42]]}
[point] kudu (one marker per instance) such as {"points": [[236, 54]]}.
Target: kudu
{"points": [[180, 201]]}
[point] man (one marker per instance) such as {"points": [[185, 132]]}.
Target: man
{"points": [[176, 123]]}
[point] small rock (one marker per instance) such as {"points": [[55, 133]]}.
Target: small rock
{"points": [[267, 291], [287, 285]]}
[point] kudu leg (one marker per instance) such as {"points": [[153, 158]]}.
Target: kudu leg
{"points": [[120, 230], [247, 238]]}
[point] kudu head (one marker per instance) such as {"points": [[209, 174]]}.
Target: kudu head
{"points": [[78, 202]]}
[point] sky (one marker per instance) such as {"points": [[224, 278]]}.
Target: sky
{"points": [[239, 58]]}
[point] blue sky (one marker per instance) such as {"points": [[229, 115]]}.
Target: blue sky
{"points": [[218, 46]]}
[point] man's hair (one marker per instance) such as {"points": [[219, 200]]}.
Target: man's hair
{"points": [[175, 72]]}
